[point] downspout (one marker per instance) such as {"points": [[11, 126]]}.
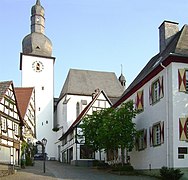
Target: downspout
{"points": [[76, 141], [167, 114]]}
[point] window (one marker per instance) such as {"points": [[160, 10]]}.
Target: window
{"points": [[15, 129], [86, 152], [112, 154], [71, 136], [183, 80], [156, 135], [156, 91], [64, 141], [186, 86], [77, 109], [141, 141], [3, 124]]}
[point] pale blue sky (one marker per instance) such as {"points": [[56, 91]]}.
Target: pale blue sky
{"points": [[89, 34]]}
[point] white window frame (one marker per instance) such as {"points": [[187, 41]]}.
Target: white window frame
{"points": [[156, 134], [155, 91]]}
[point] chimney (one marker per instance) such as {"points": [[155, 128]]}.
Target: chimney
{"points": [[167, 30]]}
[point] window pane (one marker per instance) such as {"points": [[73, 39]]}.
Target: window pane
{"points": [[156, 90], [86, 153], [157, 134], [186, 86]]}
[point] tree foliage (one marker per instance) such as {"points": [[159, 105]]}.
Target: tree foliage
{"points": [[110, 128]]}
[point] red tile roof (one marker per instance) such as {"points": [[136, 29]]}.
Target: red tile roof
{"points": [[23, 96]]}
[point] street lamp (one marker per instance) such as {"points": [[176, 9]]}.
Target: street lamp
{"points": [[44, 142]]}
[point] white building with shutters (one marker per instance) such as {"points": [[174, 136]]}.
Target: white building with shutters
{"points": [[160, 94]]}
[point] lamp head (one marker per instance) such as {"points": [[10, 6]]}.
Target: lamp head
{"points": [[44, 141]]}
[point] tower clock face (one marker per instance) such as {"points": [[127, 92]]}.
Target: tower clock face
{"points": [[37, 66]]}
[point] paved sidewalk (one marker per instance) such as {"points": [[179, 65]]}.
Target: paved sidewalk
{"points": [[32, 173], [59, 171]]}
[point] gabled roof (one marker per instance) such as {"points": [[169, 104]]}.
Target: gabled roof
{"points": [[3, 88], [23, 96], [84, 112], [178, 46], [84, 82]]}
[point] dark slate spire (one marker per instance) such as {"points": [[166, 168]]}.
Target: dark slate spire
{"points": [[122, 78], [38, 2], [37, 18], [36, 42]]}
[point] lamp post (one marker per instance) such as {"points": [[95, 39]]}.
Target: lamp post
{"points": [[44, 142]]}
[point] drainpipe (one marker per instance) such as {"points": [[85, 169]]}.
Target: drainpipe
{"points": [[167, 114], [76, 145]]}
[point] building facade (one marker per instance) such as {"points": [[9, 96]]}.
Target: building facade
{"points": [[10, 124], [160, 94], [73, 148]]}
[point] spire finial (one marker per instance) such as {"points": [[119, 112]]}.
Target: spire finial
{"points": [[38, 2], [121, 69], [122, 78]]}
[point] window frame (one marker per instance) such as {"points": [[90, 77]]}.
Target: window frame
{"points": [[186, 80], [141, 143], [155, 91], [86, 152], [156, 134]]}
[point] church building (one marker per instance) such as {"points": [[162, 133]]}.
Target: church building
{"points": [[54, 116]]}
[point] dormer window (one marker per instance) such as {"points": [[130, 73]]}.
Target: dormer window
{"points": [[77, 109]]}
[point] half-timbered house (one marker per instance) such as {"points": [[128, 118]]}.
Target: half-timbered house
{"points": [[74, 150], [10, 122]]}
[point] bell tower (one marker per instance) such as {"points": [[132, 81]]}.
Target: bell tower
{"points": [[37, 70]]}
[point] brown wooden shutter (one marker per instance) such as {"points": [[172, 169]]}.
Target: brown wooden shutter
{"points": [[182, 80], [136, 143], [145, 138], [161, 87], [139, 100], [162, 132], [183, 129], [150, 94], [151, 135]]}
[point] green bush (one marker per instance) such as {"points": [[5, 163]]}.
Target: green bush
{"points": [[125, 167], [99, 163], [170, 173]]}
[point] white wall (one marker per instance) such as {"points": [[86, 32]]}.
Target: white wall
{"points": [[44, 97], [180, 110], [154, 157]]}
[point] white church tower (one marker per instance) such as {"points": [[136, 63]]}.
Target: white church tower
{"points": [[37, 70]]}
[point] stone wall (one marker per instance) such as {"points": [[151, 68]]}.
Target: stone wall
{"points": [[6, 170]]}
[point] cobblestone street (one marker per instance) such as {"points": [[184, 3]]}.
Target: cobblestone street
{"points": [[58, 171]]}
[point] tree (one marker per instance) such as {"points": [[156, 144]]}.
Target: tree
{"points": [[111, 129]]}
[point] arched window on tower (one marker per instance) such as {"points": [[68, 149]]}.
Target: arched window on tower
{"points": [[77, 109]]}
